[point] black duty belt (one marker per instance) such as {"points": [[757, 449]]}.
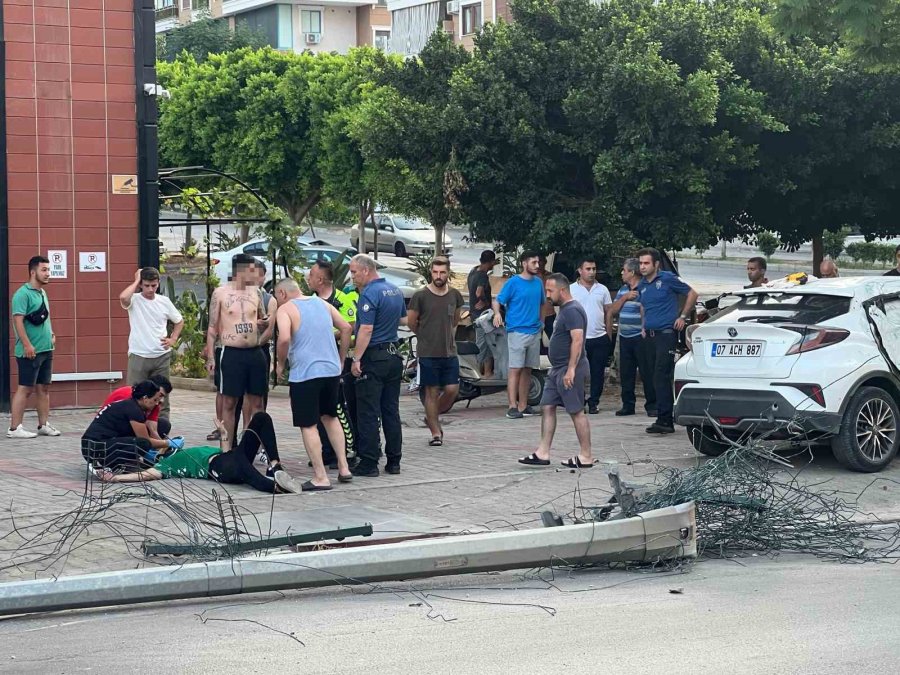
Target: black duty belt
{"points": [[383, 346], [653, 333]]}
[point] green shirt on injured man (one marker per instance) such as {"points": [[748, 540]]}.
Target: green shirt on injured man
{"points": [[187, 463]]}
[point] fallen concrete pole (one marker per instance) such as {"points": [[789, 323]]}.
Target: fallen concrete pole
{"points": [[666, 533]]}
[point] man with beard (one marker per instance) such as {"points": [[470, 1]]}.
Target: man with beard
{"points": [[594, 298], [433, 316], [568, 374]]}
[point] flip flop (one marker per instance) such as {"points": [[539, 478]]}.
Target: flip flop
{"points": [[534, 460], [437, 441], [214, 436], [575, 463], [309, 486], [345, 479]]}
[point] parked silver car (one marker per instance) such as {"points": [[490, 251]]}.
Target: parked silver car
{"points": [[399, 235]]}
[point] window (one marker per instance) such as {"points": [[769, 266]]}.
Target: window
{"points": [[410, 223], [257, 248], [471, 18], [382, 39], [785, 307], [273, 22], [310, 21]]}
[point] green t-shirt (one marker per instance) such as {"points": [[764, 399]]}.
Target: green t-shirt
{"points": [[187, 463], [25, 301]]}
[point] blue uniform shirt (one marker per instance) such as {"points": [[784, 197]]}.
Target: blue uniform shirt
{"points": [[523, 300], [660, 300], [381, 306]]}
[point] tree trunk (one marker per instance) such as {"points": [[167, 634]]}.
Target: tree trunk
{"points": [[439, 237], [245, 233], [361, 225], [374, 231], [298, 211], [818, 252]]}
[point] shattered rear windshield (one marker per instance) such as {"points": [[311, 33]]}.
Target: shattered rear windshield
{"points": [[785, 308]]}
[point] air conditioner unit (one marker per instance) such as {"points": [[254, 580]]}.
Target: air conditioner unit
{"points": [[313, 38], [453, 7]]}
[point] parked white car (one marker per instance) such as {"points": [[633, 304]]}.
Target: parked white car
{"points": [[399, 235], [814, 361], [258, 248]]}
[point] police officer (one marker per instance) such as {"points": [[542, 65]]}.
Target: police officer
{"points": [[321, 282], [663, 318], [377, 366]]}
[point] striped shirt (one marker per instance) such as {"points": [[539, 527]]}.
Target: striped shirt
{"points": [[630, 316]]}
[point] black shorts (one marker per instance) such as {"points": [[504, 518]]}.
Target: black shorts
{"points": [[436, 371], [38, 370], [312, 399], [217, 372], [242, 372]]}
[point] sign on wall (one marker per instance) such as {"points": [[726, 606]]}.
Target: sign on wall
{"points": [[59, 264], [124, 184], [92, 261]]}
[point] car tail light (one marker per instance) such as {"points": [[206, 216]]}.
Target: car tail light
{"points": [[813, 391], [814, 337], [729, 420], [679, 385]]}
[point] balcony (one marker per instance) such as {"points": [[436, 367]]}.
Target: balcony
{"points": [[167, 12]]}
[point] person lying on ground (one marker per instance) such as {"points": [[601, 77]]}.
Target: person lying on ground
{"points": [[158, 427], [233, 466], [118, 437]]}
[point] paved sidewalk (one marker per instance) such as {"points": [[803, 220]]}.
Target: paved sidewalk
{"points": [[473, 481]]}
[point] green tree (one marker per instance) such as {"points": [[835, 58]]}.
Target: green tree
{"points": [[205, 36], [767, 243], [833, 242]]}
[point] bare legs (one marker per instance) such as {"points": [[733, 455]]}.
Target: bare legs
{"points": [[548, 429], [313, 445]]}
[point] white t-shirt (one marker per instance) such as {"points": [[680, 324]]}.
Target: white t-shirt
{"points": [[594, 302], [148, 319]]}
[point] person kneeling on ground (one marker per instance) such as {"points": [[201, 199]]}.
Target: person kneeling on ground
{"points": [[159, 427], [118, 436], [233, 466]]}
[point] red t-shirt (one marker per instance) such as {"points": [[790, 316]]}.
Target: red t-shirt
{"points": [[123, 394]]}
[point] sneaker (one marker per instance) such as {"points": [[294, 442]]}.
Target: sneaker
{"points": [[367, 470], [47, 430], [393, 468], [593, 410], [285, 482], [657, 428], [530, 412], [21, 432], [624, 412], [272, 470], [514, 414]]}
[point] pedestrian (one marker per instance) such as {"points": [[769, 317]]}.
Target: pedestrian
{"points": [[35, 342], [233, 467], [433, 316], [237, 320], [756, 272], [523, 298], [632, 345], [479, 285], [548, 311], [305, 325], [828, 270], [566, 381], [594, 298], [321, 282], [158, 427], [663, 319], [377, 366], [118, 438], [149, 343]]}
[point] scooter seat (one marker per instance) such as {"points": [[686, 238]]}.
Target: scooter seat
{"points": [[466, 348]]}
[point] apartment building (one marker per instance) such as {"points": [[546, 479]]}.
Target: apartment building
{"points": [[413, 21], [326, 25]]}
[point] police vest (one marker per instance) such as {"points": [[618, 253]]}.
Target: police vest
{"points": [[345, 303]]}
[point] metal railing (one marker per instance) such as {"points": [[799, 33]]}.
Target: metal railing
{"points": [[170, 12]]}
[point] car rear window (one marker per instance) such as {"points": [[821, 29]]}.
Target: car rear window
{"points": [[785, 308]]}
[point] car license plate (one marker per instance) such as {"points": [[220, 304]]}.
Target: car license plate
{"points": [[730, 349]]}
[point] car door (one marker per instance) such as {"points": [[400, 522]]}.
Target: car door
{"points": [[884, 312], [386, 234]]}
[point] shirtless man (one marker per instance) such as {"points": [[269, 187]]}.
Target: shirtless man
{"points": [[237, 319]]}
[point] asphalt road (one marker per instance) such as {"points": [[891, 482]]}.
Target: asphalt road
{"points": [[755, 615]]}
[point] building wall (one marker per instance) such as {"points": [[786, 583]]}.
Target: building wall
{"points": [[71, 111], [338, 29], [368, 18]]}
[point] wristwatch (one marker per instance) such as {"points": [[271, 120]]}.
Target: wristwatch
{"points": [[683, 317]]}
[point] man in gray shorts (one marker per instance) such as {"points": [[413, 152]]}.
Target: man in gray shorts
{"points": [[522, 296], [569, 371]]}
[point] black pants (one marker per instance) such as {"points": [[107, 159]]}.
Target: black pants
{"points": [[661, 360], [124, 453], [236, 467], [633, 358], [598, 355], [378, 397], [267, 353], [347, 417]]}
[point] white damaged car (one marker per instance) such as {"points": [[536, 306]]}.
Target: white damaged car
{"points": [[812, 361]]}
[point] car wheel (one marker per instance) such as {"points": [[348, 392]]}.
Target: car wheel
{"points": [[399, 250], [536, 388], [704, 443], [868, 438]]}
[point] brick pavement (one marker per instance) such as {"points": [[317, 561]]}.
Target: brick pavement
{"points": [[472, 481]]}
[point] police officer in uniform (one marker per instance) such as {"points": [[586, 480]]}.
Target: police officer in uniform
{"points": [[658, 292], [321, 282], [377, 366]]}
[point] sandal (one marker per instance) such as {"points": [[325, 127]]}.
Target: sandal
{"points": [[214, 436], [309, 486], [345, 479], [534, 460], [436, 441], [575, 463]]}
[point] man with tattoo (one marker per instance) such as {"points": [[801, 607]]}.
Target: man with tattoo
{"points": [[237, 318]]}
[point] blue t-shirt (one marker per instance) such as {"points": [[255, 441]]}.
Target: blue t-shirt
{"points": [[523, 300], [381, 305], [629, 316], [660, 300]]}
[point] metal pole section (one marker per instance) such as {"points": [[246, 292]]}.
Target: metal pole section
{"points": [[661, 534]]}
